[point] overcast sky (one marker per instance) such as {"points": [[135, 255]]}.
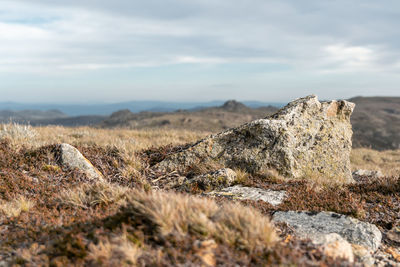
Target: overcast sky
{"points": [[197, 50]]}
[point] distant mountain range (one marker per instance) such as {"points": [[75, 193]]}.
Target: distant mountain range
{"points": [[211, 119], [133, 106], [376, 120], [30, 115]]}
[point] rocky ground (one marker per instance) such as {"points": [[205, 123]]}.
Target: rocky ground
{"points": [[104, 201]]}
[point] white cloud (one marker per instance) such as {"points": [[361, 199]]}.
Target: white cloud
{"points": [[350, 56]]}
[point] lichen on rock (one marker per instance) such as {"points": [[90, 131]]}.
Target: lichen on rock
{"points": [[305, 139]]}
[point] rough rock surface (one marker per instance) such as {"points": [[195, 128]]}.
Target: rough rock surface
{"points": [[306, 138], [241, 192], [217, 179], [313, 225], [71, 158]]}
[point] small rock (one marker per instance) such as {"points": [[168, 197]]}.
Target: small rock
{"points": [[314, 224], [394, 234], [71, 158], [335, 246], [241, 192], [217, 179], [360, 175]]}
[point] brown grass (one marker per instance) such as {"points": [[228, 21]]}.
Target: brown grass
{"points": [[14, 207], [388, 162], [118, 251], [89, 195], [51, 216], [131, 142], [180, 215]]}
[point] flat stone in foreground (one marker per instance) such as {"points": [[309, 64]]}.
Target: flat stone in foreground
{"points": [[316, 225], [241, 192]]}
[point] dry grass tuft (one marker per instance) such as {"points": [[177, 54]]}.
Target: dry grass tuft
{"points": [[90, 195], [17, 133], [118, 251], [15, 207], [178, 215], [241, 176]]}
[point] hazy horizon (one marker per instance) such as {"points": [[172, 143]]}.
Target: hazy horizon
{"points": [[177, 101], [68, 52]]}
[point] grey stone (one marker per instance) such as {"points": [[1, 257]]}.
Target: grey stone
{"points": [[313, 225], [241, 192], [305, 139], [71, 158]]}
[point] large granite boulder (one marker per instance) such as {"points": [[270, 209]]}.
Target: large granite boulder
{"points": [[305, 139]]}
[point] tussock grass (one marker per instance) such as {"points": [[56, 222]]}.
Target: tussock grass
{"points": [[181, 215], [17, 133], [15, 207], [90, 195], [117, 251], [241, 176]]}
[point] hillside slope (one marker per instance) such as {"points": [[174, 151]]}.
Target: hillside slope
{"points": [[230, 114], [376, 122], [24, 116]]}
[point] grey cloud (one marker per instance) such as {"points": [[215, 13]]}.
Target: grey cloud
{"points": [[318, 37], [166, 9]]}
